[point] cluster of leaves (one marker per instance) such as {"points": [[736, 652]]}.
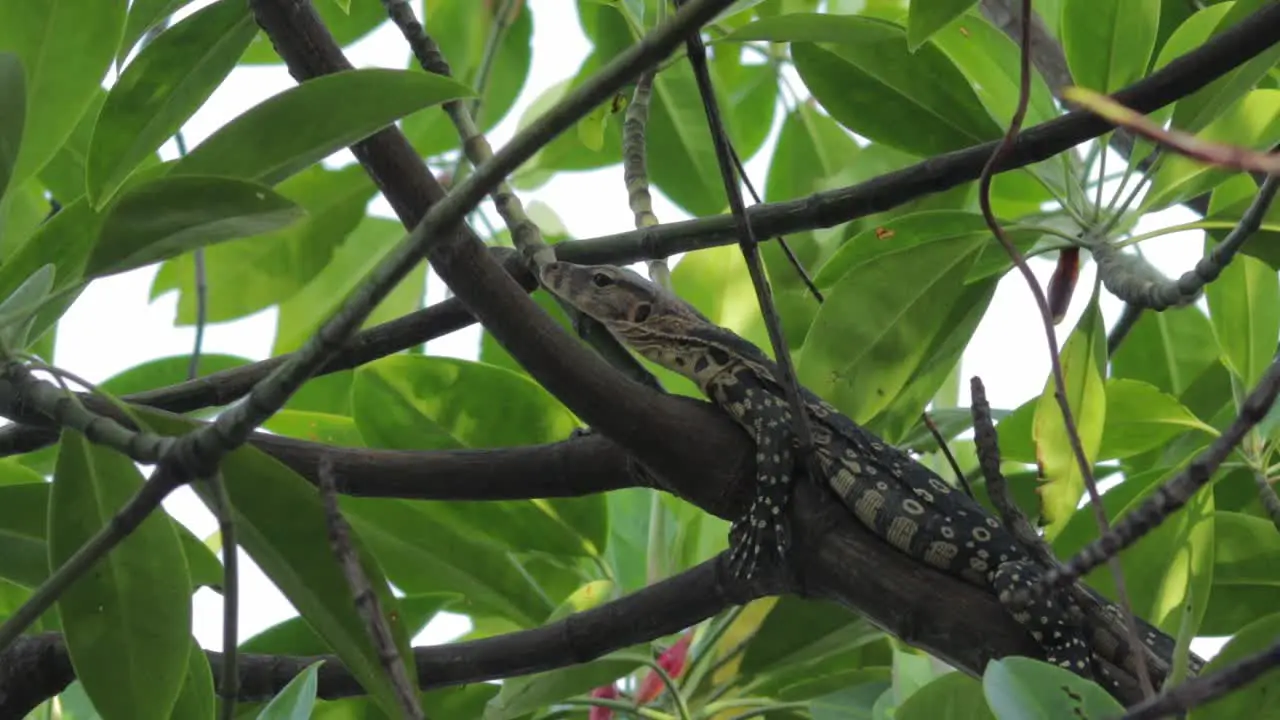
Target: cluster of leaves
{"points": [[279, 229]]}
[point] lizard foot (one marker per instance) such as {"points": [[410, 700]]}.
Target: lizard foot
{"points": [[747, 538]]}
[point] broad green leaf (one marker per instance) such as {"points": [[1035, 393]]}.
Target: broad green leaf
{"points": [[918, 229], [64, 174], [22, 210], [424, 551], [989, 59], [65, 48], [1139, 417], [249, 274], [1227, 206], [1244, 307], [1200, 109], [424, 403], [522, 695], [196, 700], [1252, 122], [307, 123], [127, 623], [18, 311], [13, 97], [297, 698], [157, 92], [1109, 45], [173, 215], [1245, 574], [295, 637], [940, 361], [865, 76], [874, 330], [925, 19], [954, 696], [143, 16], [682, 160], [717, 282], [1167, 349], [1254, 699], [317, 427], [1083, 358], [856, 702], [302, 315], [280, 523], [1021, 688], [24, 555], [165, 371], [463, 30]]}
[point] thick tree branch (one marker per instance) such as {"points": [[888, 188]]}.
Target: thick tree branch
{"points": [[1180, 78]]}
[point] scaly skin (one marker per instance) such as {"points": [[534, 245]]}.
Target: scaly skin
{"points": [[900, 500]]}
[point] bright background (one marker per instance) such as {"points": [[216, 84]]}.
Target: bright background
{"points": [[114, 326]]}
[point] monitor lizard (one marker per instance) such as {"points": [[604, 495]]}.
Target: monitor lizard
{"points": [[900, 500]]}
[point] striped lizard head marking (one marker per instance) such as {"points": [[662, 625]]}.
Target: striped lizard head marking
{"points": [[654, 321]]}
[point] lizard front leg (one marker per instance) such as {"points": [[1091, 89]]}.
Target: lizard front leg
{"points": [[775, 459]]}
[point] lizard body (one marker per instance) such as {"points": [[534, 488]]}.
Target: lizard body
{"points": [[902, 501]]}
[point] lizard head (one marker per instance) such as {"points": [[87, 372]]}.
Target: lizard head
{"points": [[654, 321]]}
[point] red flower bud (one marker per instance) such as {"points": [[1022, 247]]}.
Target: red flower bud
{"points": [[604, 692]]}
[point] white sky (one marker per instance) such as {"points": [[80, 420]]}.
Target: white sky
{"points": [[113, 326]]}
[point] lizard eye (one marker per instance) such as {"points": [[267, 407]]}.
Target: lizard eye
{"points": [[601, 280], [641, 313]]}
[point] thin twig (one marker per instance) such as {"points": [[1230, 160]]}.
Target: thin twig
{"points": [[1060, 386], [697, 53], [229, 686], [946, 450], [366, 600], [1175, 702]]}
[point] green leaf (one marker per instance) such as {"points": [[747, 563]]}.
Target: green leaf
{"points": [[297, 698], [13, 97], [165, 371], [1252, 700], [424, 403], [24, 556], [196, 700], [173, 215], [856, 702], [925, 19], [522, 695], [874, 330], [1199, 109], [682, 161], [1245, 574], [1167, 349], [1252, 122], [18, 311], [1227, 206], [249, 274], [144, 15], [1108, 46], [280, 523], [864, 75], [1021, 688], [160, 89], [953, 696], [307, 123], [1083, 360], [64, 175], [302, 315], [1244, 307], [126, 623], [65, 48], [1139, 417]]}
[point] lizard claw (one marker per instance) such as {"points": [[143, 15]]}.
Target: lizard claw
{"points": [[746, 539]]}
